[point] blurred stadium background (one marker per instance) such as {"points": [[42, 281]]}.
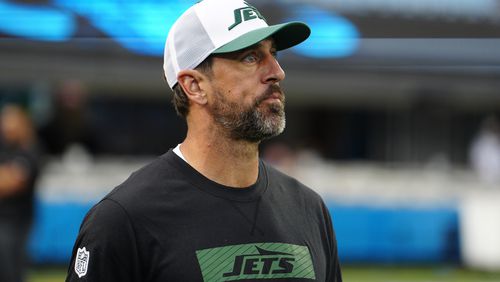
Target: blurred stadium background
{"points": [[388, 106]]}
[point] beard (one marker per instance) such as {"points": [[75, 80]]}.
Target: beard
{"points": [[254, 123]]}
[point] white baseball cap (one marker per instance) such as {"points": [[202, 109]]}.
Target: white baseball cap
{"points": [[222, 26]]}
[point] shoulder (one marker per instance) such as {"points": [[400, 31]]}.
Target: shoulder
{"points": [[145, 181], [105, 233], [105, 221], [143, 188], [295, 196], [289, 185]]}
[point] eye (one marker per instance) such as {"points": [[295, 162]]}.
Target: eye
{"points": [[250, 58]]}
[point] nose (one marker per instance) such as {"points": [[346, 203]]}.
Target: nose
{"points": [[274, 73]]}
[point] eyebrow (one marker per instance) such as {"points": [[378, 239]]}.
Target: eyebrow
{"points": [[256, 46], [259, 44]]}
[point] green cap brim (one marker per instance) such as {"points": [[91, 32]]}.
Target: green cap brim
{"points": [[285, 35]]}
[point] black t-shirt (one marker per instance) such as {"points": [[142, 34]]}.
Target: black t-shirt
{"points": [[20, 205], [167, 222]]}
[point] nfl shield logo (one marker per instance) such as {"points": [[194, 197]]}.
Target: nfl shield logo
{"points": [[82, 262]]}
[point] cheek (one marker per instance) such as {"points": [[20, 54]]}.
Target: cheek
{"points": [[240, 94], [240, 87]]}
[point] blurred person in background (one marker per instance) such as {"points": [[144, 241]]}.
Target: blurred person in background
{"points": [[485, 151], [68, 125], [18, 173], [210, 209]]}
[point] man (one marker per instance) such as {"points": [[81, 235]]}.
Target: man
{"points": [[19, 168], [210, 210]]}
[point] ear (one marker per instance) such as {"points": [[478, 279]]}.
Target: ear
{"points": [[190, 81]]}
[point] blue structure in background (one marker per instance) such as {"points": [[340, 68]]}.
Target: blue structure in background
{"points": [[396, 235], [54, 231], [142, 26], [36, 22], [332, 36], [364, 234]]}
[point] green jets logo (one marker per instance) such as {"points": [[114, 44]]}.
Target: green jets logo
{"points": [[258, 261], [245, 14]]}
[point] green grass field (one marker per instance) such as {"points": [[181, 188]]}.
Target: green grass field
{"points": [[416, 274], [350, 273]]}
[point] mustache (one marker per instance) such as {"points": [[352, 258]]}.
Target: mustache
{"points": [[274, 88]]}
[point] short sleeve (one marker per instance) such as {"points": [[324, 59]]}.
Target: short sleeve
{"points": [[105, 249]]}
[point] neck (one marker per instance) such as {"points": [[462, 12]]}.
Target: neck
{"points": [[233, 163]]}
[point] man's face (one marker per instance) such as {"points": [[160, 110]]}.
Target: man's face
{"points": [[13, 125], [247, 100]]}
